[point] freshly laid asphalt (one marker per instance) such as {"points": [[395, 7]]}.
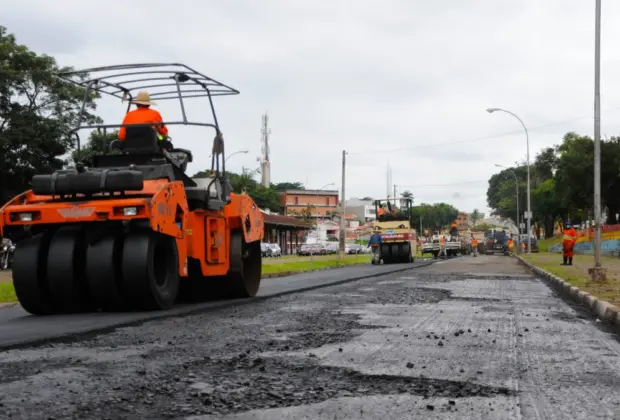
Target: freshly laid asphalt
{"points": [[18, 327], [469, 338]]}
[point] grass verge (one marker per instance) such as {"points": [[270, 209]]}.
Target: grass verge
{"points": [[577, 274], [306, 264], [7, 293]]}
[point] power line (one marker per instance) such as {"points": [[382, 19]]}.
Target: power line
{"points": [[426, 146], [443, 185]]}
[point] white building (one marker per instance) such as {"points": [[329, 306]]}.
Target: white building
{"points": [[363, 209]]}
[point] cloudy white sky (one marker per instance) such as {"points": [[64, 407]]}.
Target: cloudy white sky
{"points": [[404, 81]]}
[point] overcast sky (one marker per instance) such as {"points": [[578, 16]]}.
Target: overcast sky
{"points": [[404, 81]]}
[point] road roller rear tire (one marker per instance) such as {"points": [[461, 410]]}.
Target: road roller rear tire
{"points": [[29, 275], [245, 272], [66, 270], [105, 273], [150, 270]]}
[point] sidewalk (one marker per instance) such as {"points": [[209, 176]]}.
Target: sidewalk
{"points": [[577, 274], [5, 276]]}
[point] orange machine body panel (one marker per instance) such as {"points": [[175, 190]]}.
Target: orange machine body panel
{"points": [[200, 234]]}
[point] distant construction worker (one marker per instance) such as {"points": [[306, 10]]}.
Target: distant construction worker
{"points": [[511, 245], [474, 246], [144, 114], [442, 246], [568, 244], [374, 243]]}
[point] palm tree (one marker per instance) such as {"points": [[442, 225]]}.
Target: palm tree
{"points": [[407, 194]]}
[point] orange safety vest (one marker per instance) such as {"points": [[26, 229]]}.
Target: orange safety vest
{"points": [[442, 242], [474, 243], [380, 211], [570, 236], [143, 116]]}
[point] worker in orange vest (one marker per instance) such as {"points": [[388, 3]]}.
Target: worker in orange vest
{"points": [[511, 245], [474, 246], [442, 246], [144, 114], [568, 244]]}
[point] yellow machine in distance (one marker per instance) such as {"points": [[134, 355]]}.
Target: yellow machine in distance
{"points": [[394, 224]]}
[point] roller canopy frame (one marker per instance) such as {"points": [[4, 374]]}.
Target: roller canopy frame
{"points": [[164, 81]]}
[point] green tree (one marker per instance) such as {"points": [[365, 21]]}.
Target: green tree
{"points": [[475, 217], [283, 186], [37, 113], [562, 183], [98, 144], [575, 173], [447, 214], [546, 206], [434, 216], [265, 198], [407, 194], [305, 214]]}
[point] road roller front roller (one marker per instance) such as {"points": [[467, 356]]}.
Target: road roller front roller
{"points": [[128, 230]]}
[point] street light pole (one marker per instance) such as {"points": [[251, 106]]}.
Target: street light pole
{"points": [[529, 202], [342, 210], [517, 220], [232, 154], [597, 272]]}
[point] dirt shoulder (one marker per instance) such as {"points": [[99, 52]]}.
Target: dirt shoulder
{"points": [[5, 276], [577, 274]]}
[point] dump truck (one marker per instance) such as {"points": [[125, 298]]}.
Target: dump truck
{"points": [[399, 242], [129, 230], [431, 245]]}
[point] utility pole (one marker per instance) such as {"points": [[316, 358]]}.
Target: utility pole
{"points": [[597, 272], [394, 195], [342, 209]]}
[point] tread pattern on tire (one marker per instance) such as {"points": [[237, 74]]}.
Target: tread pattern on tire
{"points": [[59, 272]]}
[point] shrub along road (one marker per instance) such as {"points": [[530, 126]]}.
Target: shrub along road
{"points": [[466, 338]]}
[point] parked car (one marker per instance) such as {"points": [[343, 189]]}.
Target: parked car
{"points": [[270, 250], [332, 248], [274, 250], [353, 249], [264, 249], [312, 249]]}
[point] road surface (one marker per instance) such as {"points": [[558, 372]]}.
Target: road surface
{"points": [[469, 338], [18, 327]]}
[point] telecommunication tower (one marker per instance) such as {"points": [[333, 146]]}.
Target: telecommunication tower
{"points": [[264, 160]]}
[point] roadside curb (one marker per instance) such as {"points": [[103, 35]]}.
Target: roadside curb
{"points": [[605, 311]]}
